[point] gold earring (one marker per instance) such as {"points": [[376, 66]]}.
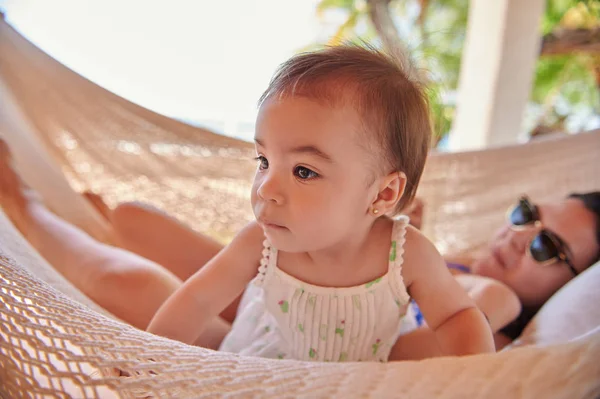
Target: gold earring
{"points": [[375, 211]]}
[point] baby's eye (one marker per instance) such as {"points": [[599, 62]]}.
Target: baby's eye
{"points": [[262, 162], [305, 173]]}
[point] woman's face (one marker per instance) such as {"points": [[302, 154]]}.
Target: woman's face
{"points": [[507, 257]]}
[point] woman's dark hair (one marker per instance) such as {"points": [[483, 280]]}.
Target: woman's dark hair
{"points": [[591, 201]]}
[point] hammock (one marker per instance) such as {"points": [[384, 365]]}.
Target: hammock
{"points": [[69, 135]]}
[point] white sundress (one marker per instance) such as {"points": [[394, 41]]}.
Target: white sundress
{"points": [[282, 317]]}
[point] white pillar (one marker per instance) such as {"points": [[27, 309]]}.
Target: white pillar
{"points": [[501, 48]]}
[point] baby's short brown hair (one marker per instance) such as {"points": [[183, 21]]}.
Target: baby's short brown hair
{"points": [[392, 105]]}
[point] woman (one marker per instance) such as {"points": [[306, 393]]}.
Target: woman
{"points": [[131, 283]]}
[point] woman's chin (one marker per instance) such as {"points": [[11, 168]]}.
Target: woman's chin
{"points": [[486, 267]]}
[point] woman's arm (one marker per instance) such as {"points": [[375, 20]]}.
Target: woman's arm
{"points": [[203, 296], [498, 303], [459, 327]]}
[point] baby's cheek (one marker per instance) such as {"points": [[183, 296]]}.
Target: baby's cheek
{"points": [[253, 193]]}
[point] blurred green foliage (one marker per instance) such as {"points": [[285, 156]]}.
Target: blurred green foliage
{"points": [[434, 32]]}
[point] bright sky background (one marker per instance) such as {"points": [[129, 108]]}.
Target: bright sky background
{"points": [[201, 60]]}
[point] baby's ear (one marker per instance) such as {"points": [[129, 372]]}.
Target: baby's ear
{"points": [[391, 190]]}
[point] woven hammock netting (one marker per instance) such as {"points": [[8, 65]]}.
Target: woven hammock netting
{"points": [[69, 135]]}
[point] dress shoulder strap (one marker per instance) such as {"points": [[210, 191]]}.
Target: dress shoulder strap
{"points": [[396, 259], [269, 255]]}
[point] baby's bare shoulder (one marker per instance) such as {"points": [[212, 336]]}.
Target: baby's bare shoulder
{"points": [[421, 257], [245, 250]]}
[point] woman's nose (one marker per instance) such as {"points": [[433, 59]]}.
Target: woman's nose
{"points": [[270, 188], [520, 239]]}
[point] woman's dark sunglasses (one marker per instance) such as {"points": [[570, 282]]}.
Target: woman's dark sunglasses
{"points": [[545, 247]]}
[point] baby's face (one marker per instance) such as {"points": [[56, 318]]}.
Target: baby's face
{"points": [[313, 186]]}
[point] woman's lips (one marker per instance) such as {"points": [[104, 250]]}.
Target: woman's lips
{"points": [[498, 256]]}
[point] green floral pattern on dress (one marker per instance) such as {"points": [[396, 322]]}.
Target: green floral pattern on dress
{"points": [[393, 252], [284, 305], [370, 283], [340, 330], [376, 346]]}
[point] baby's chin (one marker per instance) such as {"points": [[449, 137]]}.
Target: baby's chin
{"points": [[291, 245], [283, 244]]}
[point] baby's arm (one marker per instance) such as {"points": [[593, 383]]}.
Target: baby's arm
{"points": [[187, 312], [497, 302], [459, 326]]}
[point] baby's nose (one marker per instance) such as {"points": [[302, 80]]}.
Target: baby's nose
{"points": [[270, 189]]}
